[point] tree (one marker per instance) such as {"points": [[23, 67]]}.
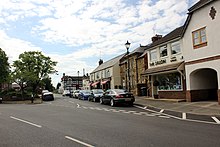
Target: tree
{"points": [[47, 84], [58, 85], [4, 68], [31, 68]]}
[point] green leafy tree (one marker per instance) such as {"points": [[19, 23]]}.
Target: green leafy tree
{"points": [[58, 85], [31, 68], [47, 84], [4, 68]]}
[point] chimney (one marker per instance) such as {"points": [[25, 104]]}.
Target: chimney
{"points": [[100, 61], [156, 37]]}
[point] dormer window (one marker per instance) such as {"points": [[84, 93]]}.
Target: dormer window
{"points": [[163, 51]]}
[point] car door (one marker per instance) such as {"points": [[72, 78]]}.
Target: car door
{"points": [[106, 96]]}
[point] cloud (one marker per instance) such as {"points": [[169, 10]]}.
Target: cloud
{"points": [[14, 47], [88, 27]]}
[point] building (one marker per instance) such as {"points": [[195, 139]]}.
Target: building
{"points": [[86, 82], [71, 82], [165, 71], [129, 70], [201, 51], [106, 75]]}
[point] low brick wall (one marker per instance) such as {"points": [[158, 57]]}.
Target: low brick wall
{"points": [[201, 95], [172, 94]]}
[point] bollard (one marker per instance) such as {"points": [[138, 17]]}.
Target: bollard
{"points": [[0, 100]]}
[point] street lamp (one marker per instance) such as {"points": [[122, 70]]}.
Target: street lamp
{"points": [[78, 80], [127, 45]]}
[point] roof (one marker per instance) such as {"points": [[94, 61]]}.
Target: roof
{"points": [[199, 5], [108, 63], [140, 49], [195, 7], [172, 35], [157, 70]]}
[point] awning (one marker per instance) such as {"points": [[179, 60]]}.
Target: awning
{"points": [[162, 69], [104, 82], [95, 83]]}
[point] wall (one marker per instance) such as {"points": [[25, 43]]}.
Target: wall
{"points": [[200, 19]]}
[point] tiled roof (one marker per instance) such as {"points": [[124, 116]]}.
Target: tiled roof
{"points": [[172, 35], [108, 63], [198, 5], [161, 69]]}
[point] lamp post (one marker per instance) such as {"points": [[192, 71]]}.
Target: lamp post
{"points": [[77, 80], [127, 45]]}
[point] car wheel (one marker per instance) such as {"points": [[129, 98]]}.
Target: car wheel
{"points": [[131, 104], [101, 101], [112, 103]]}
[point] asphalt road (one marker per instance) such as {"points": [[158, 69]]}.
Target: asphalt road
{"points": [[68, 122]]}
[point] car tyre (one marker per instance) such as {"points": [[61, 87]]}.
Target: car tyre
{"points": [[112, 103]]}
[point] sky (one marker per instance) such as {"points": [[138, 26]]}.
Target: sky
{"points": [[77, 33]]}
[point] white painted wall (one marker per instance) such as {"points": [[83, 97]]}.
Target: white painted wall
{"points": [[200, 19], [215, 64], [169, 55]]}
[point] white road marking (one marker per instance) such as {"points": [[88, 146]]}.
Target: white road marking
{"points": [[137, 113], [78, 141], [27, 122], [78, 106], [216, 120], [183, 115], [71, 102], [145, 107], [164, 116], [161, 111]]}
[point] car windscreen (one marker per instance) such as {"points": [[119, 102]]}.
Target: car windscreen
{"points": [[86, 91], [120, 91], [98, 91]]}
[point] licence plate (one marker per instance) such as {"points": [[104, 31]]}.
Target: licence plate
{"points": [[127, 99]]}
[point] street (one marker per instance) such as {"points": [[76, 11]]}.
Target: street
{"points": [[67, 122]]}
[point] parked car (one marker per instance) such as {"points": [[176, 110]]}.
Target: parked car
{"points": [[96, 94], [75, 93], [66, 93], [84, 94], [47, 96], [115, 96]]}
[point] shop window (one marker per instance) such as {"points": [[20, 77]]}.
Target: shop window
{"points": [[153, 55], [171, 81], [199, 38], [163, 51], [175, 48]]}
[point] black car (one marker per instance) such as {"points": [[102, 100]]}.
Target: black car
{"points": [[47, 96], [115, 96]]}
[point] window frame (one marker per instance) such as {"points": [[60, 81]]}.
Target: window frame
{"points": [[174, 44], [153, 51], [200, 36], [164, 47]]}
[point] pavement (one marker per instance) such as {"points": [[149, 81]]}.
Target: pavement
{"points": [[179, 108]]}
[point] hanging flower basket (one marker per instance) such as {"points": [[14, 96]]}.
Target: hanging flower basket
{"points": [[156, 83]]}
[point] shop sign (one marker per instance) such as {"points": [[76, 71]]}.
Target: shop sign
{"points": [[162, 61]]}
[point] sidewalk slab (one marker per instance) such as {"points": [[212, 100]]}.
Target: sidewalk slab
{"points": [[177, 106]]}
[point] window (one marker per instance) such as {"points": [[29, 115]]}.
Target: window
{"points": [[171, 81], [153, 55], [163, 51], [199, 38], [175, 48]]}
